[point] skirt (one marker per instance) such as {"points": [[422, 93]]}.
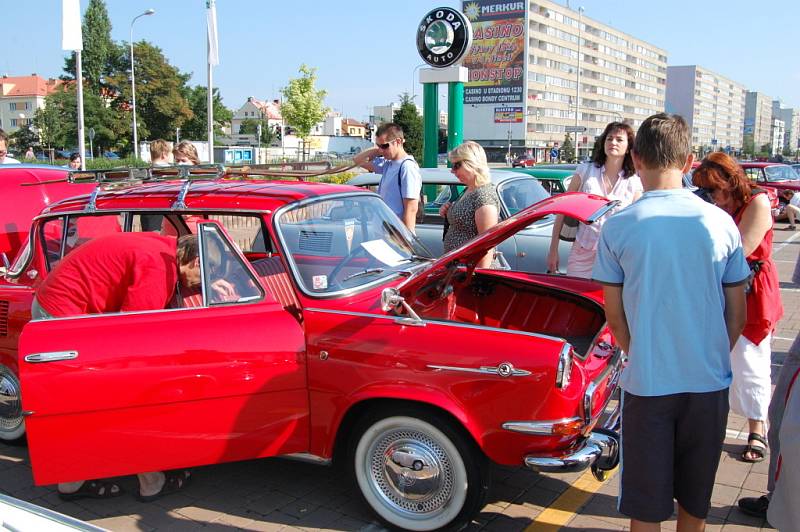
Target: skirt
{"points": [[580, 261], [752, 384]]}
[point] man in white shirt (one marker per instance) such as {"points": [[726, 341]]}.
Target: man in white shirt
{"points": [[4, 158]]}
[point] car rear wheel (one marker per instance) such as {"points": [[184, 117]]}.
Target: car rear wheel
{"points": [[417, 472], [12, 425]]}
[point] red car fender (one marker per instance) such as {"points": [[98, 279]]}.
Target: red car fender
{"points": [[408, 392]]}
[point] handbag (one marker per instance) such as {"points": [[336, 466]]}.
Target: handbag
{"points": [[569, 229]]}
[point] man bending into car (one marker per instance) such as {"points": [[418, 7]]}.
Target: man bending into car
{"points": [[122, 272]]}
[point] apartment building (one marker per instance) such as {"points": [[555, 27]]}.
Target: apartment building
{"points": [[20, 97], [791, 120], [568, 64], [712, 104], [758, 125]]}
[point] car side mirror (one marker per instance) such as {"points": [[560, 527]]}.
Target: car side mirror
{"points": [[391, 300], [6, 264]]}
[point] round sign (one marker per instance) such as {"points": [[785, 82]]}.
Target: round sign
{"points": [[554, 153], [444, 37]]}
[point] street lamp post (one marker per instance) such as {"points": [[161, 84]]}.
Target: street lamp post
{"points": [[133, 86], [578, 84], [414, 80]]}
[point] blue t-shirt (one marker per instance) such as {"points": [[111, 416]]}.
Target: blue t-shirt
{"points": [[672, 252], [410, 181]]}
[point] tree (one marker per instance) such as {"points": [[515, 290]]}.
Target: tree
{"points": [[567, 150], [160, 87], [410, 120], [250, 127], [302, 107], [197, 126], [748, 146], [23, 138], [100, 54]]}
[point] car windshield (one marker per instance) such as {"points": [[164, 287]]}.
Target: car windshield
{"points": [[518, 194], [342, 243], [781, 173]]}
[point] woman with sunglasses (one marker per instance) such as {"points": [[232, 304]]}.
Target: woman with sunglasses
{"points": [[751, 357], [610, 174], [477, 209]]}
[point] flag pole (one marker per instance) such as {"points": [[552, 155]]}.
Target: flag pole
{"points": [[81, 135], [210, 104], [213, 59]]}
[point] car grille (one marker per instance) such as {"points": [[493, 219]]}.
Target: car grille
{"points": [[3, 318]]}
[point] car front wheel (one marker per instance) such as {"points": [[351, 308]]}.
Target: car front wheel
{"points": [[12, 426], [417, 472]]}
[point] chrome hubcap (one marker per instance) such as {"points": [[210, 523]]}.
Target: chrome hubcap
{"points": [[411, 472], [10, 404]]}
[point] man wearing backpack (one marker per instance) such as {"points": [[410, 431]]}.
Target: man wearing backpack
{"points": [[401, 182]]}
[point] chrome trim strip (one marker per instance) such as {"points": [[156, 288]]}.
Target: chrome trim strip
{"points": [[438, 322], [599, 213], [51, 356], [613, 365], [544, 428], [308, 458], [504, 369], [598, 450], [564, 367], [15, 287]]}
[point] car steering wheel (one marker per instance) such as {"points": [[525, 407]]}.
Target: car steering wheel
{"points": [[339, 267]]}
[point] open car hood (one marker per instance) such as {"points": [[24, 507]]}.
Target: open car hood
{"points": [[586, 208]]}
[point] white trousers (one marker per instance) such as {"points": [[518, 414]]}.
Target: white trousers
{"points": [[751, 387], [580, 261]]}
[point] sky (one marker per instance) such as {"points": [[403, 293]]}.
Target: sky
{"points": [[365, 53]]}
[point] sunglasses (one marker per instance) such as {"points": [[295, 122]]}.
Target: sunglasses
{"points": [[385, 144], [457, 165]]}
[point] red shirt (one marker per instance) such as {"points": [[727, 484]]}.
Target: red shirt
{"points": [[113, 273]]}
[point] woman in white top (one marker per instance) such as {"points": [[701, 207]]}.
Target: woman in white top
{"points": [[610, 174]]}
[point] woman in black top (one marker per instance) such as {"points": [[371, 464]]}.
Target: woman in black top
{"points": [[478, 207]]}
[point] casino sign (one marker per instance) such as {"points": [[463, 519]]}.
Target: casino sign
{"points": [[444, 37]]}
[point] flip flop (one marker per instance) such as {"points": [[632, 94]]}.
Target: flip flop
{"points": [[93, 489], [173, 481], [759, 451]]}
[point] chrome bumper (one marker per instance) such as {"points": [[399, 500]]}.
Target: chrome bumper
{"points": [[600, 450]]}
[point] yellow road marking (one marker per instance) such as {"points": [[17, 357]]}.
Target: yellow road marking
{"points": [[563, 509]]}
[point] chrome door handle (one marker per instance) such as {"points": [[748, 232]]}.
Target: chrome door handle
{"points": [[51, 356]]}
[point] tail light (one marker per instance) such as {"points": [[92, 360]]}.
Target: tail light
{"points": [[564, 366]]}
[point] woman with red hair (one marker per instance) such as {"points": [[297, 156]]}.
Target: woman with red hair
{"points": [[750, 208]]}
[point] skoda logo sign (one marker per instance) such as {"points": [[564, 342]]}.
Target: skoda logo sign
{"points": [[444, 37]]}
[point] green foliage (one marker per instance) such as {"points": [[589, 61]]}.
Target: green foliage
{"points": [[567, 149], [196, 126], [250, 127], [765, 151], [303, 107], [748, 145], [410, 120], [160, 102], [100, 53], [23, 138]]}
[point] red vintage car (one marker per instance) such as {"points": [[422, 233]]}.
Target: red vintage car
{"points": [[345, 340], [776, 175]]}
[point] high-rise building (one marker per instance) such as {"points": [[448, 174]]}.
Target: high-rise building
{"points": [[758, 120], [791, 121], [712, 104], [540, 70]]}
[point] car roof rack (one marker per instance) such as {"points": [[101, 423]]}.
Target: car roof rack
{"points": [[134, 175]]}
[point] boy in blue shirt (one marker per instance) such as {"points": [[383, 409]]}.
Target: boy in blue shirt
{"points": [[673, 276]]}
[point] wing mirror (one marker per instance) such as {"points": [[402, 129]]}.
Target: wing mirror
{"points": [[6, 264], [391, 300]]}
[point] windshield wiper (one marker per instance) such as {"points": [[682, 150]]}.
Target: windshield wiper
{"points": [[417, 257], [368, 271]]}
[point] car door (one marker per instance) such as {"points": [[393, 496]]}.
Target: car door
{"points": [[122, 393]]}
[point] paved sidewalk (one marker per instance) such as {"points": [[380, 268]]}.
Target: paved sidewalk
{"points": [[275, 494]]}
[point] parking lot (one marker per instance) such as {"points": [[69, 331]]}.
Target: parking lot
{"points": [[277, 494]]}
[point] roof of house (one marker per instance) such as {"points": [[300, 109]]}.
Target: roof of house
{"points": [[351, 122], [272, 110], [33, 85]]}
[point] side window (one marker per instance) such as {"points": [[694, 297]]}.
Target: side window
{"points": [[58, 242], [752, 173], [247, 232], [225, 278]]}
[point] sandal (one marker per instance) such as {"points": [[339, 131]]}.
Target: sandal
{"points": [[759, 451], [93, 489], [173, 481]]}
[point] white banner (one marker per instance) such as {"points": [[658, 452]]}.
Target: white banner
{"points": [[71, 34], [213, 42]]}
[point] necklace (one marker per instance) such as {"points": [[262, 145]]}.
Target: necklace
{"points": [[608, 186]]}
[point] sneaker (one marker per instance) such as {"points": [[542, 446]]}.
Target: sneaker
{"points": [[755, 506]]}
